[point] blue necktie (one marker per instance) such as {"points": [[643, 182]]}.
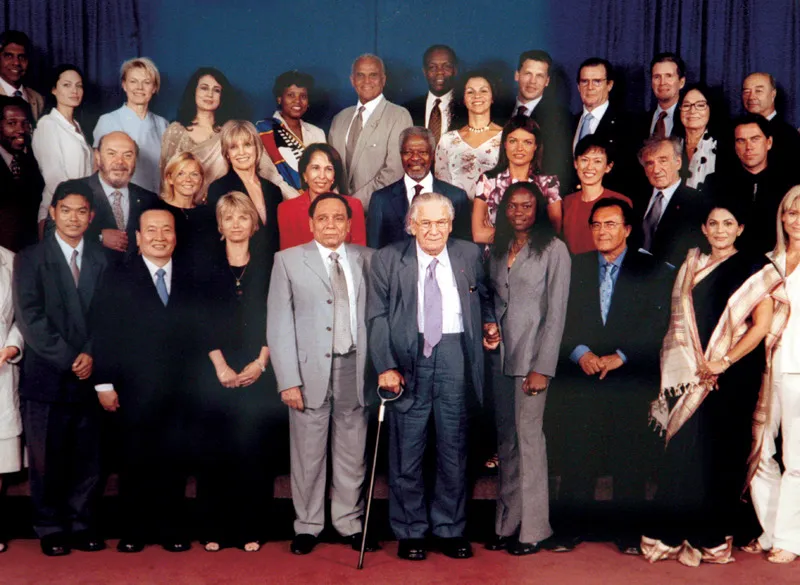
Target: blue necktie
{"points": [[161, 286], [585, 126], [606, 290]]}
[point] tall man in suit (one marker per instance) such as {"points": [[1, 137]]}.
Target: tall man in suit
{"points": [[667, 78], [536, 101], [147, 343], [21, 182], [15, 48], [611, 365], [671, 219], [118, 202], [605, 118], [758, 96], [428, 309], [55, 285], [434, 111], [316, 330], [366, 134], [386, 220]]}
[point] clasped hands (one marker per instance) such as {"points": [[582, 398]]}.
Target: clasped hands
{"points": [[230, 379], [592, 363], [491, 336], [709, 373]]}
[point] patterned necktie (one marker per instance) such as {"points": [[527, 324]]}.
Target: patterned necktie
{"points": [[651, 220], [116, 208], [73, 267], [342, 334], [161, 286], [352, 138], [432, 332], [522, 111], [606, 290], [435, 121], [16, 168], [586, 126], [417, 190], [660, 130]]}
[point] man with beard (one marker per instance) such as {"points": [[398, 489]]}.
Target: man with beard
{"points": [[118, 203]]}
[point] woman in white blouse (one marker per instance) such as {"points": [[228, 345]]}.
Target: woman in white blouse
{"points": [[58, 143], [464, 154]]}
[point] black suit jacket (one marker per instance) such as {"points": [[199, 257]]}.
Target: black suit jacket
{"points": [[636, 324], [55, 319], [416, 107], [646, 119], [554, 120], [785, 149], [139, 199], [618, 128], [679, 227], [148, 351], [19, 204], [386, 218]]}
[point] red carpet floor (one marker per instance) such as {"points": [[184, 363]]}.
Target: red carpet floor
{"points": [[335, 564]]}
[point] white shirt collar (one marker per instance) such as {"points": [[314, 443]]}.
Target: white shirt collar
{"points": [[529, 106], [10, 89], [66, 249], [153, 268], [772, 115], [423, 259], [326, 252], [426, 182], [108, 189], [668, 192], [446, 100], [670, 110], [598, 112], [370, 106]]}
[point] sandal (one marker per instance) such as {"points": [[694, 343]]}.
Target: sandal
{"points": [[492, 462], [780, 556], [211, 545], [254, 546], [753, 547]]}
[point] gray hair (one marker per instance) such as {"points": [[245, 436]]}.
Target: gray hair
{"points": [[368, 56], [418, 131], [421, 200], [654, 143]]}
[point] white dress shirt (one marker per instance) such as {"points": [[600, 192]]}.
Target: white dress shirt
{"points": [[426, 182], [669, 121], [446, 106], [67, 250], [125, 201], [62, 153], [10, 90], [369, 107], [529, 106], [167, 268], [348, 277], [667, 194], [451, 302], [597, 115]]}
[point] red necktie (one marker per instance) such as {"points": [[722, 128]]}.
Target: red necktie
{"points": [[661, 127]]}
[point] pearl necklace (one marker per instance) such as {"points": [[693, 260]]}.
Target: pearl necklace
{"points": [[478, 130]]}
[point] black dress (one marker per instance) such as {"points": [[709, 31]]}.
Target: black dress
{"points": [[705, 464], [237, 427], [198, 247]]}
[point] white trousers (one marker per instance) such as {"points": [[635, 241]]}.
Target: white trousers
{"points": [[776, 497]]}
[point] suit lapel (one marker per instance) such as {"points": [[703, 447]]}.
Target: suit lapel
{"points": [[407, 277], [356, 261], [368, 130], [59, 271], [399, 201], [462, 283], [313, 261], [102, 208]]}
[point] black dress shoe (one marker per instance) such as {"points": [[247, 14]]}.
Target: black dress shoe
{"points": [[412, 549], [130, 546], [302, 544], [498, 542], [519, 549], [177, 546], [455, 548], [354, 540], [87, 541], [55, 545], [559, 544]]}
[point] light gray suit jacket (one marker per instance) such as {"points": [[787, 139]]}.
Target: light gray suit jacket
{"points": [[376, 160], [530, 302], [300, 319]]}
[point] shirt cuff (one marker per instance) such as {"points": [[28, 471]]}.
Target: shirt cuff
{"points": [[104, 387], [578, 353], [622, 356]]}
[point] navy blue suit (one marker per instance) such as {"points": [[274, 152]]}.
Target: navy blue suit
{"points": [[386, 219]]}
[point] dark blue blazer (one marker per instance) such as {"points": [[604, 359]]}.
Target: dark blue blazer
{"points": [[386, 219]]}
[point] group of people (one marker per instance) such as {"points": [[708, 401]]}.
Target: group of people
{"points": [[195, 279]]}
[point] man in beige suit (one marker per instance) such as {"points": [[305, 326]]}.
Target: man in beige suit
{"points": [[15, 46], [367, 134]]}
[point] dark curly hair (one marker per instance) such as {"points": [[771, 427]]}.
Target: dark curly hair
{"points": [[540, 234], [187, 110]]}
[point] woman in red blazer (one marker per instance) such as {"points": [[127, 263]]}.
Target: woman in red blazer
{"points": [[321, 171]]}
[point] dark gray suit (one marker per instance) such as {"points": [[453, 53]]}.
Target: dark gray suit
{"points": [[60, 412], [437, 384]]}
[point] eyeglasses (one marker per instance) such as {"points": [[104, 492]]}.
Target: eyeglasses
{"points": [[592, 82], [699, 106], [608, 225], [426, 224]]}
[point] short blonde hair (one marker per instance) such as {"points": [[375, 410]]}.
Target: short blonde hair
{"points": [[175, 164], [789, 200], [235, 130], [236, 201], [141, 63]]}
